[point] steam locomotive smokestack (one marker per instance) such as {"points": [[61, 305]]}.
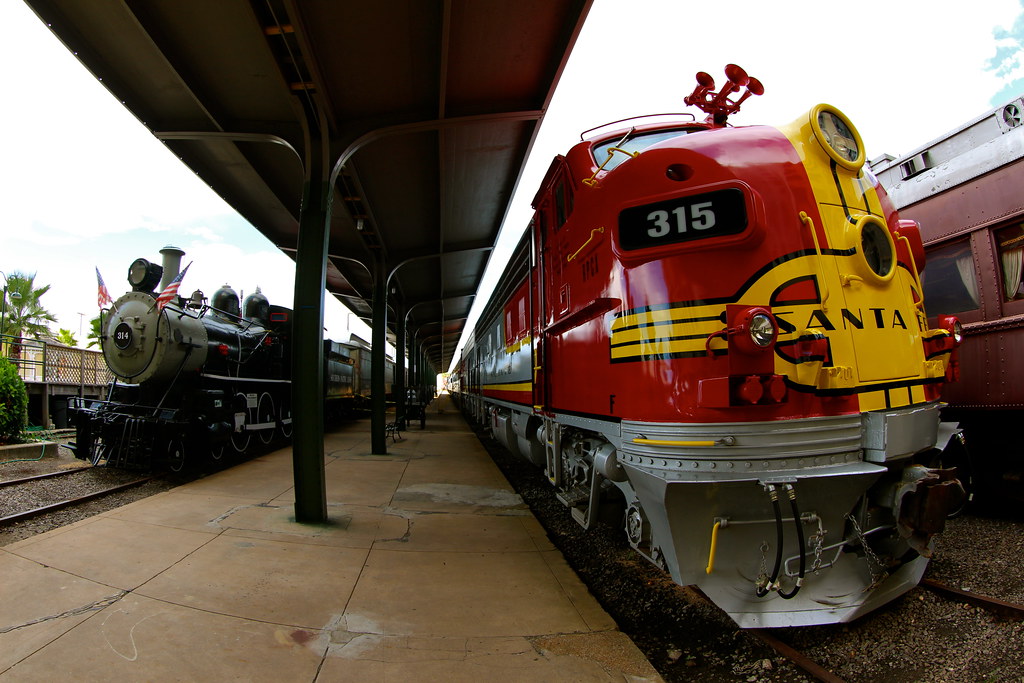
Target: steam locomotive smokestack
{"points": [[172, 264]]}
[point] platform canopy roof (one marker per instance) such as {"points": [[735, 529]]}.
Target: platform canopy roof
{"points": [[430, 107]]}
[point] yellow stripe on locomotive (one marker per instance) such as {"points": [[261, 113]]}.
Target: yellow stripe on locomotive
{"points": [[872, 329]]}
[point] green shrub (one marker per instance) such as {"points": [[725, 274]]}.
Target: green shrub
{"points": [[13, 403]]}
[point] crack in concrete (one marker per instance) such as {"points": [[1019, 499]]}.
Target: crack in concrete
{"points": [[91, 607]]}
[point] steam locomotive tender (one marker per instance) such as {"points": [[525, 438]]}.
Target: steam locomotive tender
{"points": [[196, 380], [719, 332]]}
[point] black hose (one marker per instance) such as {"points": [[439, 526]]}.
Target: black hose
{"points": [[774, 495], [800, 544]]}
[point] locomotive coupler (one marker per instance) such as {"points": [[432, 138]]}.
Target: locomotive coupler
{"points": [[924, 500]]}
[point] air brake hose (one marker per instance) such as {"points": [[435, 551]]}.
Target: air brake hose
{"points": [[774, 495], [800, 544]]}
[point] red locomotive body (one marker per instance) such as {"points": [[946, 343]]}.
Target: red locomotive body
{"points": [[704, 324]]}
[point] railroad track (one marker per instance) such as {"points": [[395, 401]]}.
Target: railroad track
{"points": [[62, 504], [1001, 607], [37, 477], [812, 668], [799, 659]]}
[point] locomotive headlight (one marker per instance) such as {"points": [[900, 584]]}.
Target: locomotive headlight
{"points": [[952, 324], [762, 330], [875, 257], [837, 136], [752, 329], [143, 276]]}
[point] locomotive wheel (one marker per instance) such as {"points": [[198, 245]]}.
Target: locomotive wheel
{"points": [[240, 440], [284, 413], [217, 452], [175, 455], [265, 415]]}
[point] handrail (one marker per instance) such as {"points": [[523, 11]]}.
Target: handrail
{"points": [[809, 222], [916, 273], [592, 180], [584, 245]]}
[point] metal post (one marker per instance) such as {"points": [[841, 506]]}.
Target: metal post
{"points": [[3, 313], [307, 335], [399, 386], [411, 351], [378, 406]]}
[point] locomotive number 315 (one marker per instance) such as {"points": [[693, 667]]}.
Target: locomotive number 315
{"points": [[702, 217], [683, 219]]}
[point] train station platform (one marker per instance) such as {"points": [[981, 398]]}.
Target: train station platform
{"points": [[431, 568]]}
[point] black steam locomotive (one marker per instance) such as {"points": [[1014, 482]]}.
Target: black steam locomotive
{"points": [[197, 379]]}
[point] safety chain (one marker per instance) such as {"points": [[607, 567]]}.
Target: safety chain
{"points": [[817, 540], [876, 578], [763, 578]]}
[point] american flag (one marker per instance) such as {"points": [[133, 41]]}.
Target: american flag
{"points": [[102, 296], [171, 290]]}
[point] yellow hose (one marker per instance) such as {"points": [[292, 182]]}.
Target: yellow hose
{"points": [[714, 547]]}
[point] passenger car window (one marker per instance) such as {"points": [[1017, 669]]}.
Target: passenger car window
{"points": [[950, 280], [1010, 244]]}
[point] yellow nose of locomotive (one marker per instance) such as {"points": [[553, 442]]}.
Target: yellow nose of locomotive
{"points": [[871, 308]]}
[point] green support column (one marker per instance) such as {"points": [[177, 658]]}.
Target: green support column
{"points": [[399, 391], [378, 417], [307, 341], [413, 362]]}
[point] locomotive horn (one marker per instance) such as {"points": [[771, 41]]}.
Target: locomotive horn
{"points": [[736, 74], [737, 79], [754, 87], [705, 83]]}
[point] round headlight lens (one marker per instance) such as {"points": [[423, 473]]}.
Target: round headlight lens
{"points": [[762, 329], [838, 136], [137, 272], [143, 276], [877, 248], [958, 332]]}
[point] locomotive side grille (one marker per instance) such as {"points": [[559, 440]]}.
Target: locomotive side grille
{"points": [[742, 449]]}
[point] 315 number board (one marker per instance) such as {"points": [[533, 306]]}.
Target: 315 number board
{"points": [[683, 219]]}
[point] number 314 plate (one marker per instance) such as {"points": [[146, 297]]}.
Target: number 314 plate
{"points": [[683, 219]]}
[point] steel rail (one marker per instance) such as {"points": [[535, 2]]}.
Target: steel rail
{"points": [[17, 517], [798, 658], [1001, 607], [37, 477]]}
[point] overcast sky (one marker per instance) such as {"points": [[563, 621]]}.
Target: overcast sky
{"points": [[86, 185]]}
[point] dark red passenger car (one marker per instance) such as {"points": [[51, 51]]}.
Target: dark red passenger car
{"points": [[964, 191]]}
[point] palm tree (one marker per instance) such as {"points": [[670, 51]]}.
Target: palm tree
{"points": [[24, 316], [94, 332], [67, 337]]}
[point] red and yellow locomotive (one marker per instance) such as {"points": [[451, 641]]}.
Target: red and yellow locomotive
{"points": [[720, 330]]}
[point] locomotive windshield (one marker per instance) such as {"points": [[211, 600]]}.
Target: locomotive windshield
{"points": [[634, 142]]}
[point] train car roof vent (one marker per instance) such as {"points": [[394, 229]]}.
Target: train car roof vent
{"points": [[915, 165], [1011, 116]]}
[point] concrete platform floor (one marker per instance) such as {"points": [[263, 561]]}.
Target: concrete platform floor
{"points": [[431, 568]]}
